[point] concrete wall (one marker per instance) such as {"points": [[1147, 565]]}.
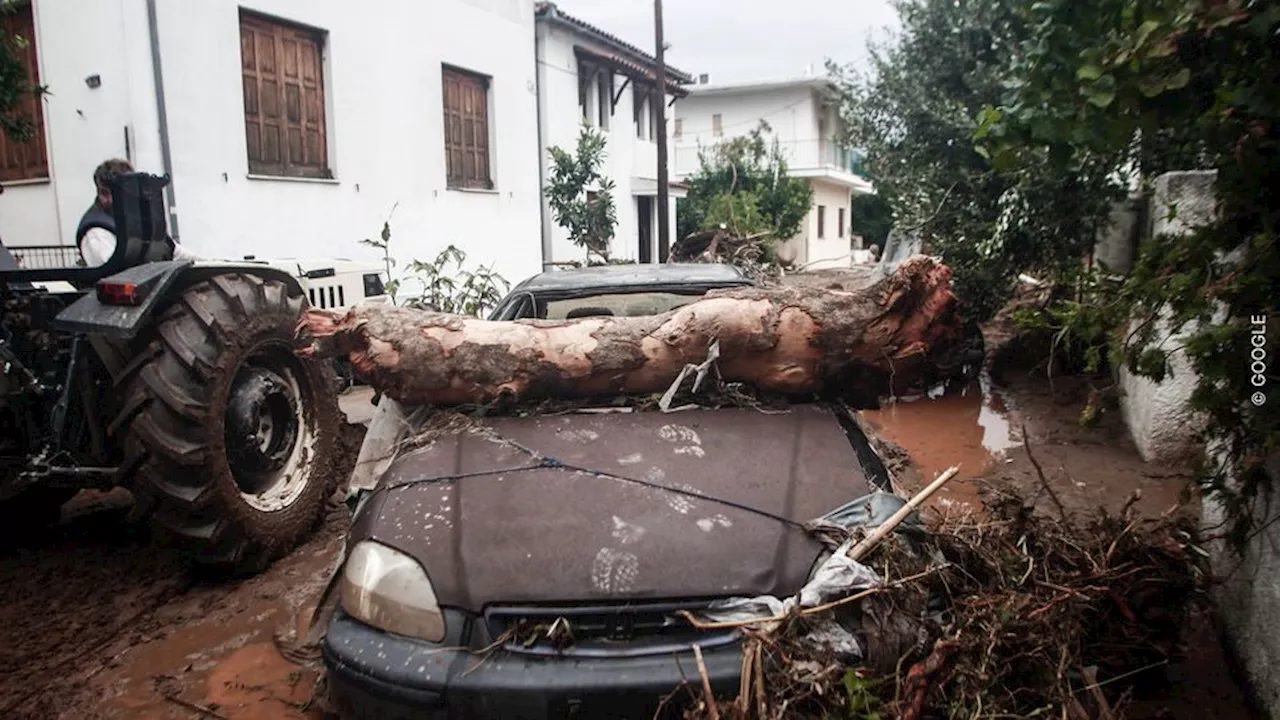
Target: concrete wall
{"points": [[1156, 413], [631, 161], [1117, 244], [1248, 595], [384, 121]]}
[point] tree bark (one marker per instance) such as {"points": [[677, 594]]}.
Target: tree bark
{"points": [[861, 345]]}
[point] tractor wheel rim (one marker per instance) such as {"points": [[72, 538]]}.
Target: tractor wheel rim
{"points": [[268, 436]]}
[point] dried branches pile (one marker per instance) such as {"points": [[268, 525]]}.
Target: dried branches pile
{"points": [[753, 254], [1011, 615]]}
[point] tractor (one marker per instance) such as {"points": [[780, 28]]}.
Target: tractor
{"points": [[175, 379]]}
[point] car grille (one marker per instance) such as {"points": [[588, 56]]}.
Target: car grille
{"points": [[601, 631]]}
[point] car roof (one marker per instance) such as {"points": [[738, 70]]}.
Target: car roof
{"points": [[636, 275]]}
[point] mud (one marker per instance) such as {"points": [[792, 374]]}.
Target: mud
{"points": [[98, 623], [985, 427]]}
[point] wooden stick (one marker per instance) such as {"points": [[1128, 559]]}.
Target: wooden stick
{"points": [[712, 710], [870, 541]]}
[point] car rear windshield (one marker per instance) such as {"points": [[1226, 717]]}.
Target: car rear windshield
{"points": [[620, 305]]}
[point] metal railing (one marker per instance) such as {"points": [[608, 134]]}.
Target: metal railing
{"points": [[45, 257], [799, 154]]}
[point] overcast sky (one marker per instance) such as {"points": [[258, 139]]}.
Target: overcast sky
{"points": [[740, 40]]}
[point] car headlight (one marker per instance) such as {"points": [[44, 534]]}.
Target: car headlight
{"points": [[389, 590]]}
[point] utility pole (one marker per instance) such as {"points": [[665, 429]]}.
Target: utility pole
{"points": [[664, 234]]}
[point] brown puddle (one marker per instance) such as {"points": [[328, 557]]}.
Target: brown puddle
{"points": [[968, 427]]}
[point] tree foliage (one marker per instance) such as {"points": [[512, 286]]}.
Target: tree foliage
{"points": [[1175, 84], [581, 198], [916, 111], [444, 284], [743, 184]]}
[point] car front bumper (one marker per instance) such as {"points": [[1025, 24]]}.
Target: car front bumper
{"points": [[373, 674]]}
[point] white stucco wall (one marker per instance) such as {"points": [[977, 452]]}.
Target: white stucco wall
{"points": [[1155, 413], [791, 112], [383, 116], [833, 248], [631, 162]]}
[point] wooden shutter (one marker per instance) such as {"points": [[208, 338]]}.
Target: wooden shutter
{"points": [[26, 160], [822, 220], [283, 98], [466, 129], [840, 224]]}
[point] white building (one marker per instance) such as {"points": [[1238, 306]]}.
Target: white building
{"points": [[806, 125], [290, 127], [584, 73]]}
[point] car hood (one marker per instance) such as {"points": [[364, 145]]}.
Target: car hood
{"points": [[491, 523]]}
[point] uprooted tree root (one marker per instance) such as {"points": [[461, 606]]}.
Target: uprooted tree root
{"points": [[1013, 615]]}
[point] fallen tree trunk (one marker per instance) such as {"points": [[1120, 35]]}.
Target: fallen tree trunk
{"points": [[861, 345]]}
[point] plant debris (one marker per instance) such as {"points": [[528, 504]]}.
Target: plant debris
{"points": [[1011, 614]]}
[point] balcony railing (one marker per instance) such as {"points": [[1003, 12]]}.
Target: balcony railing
{"points": [[32, 257], [801, 155]]}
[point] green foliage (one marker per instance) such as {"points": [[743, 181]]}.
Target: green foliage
{"points": [[1151, 86], [872, 219], [916, 113], [864, 703], [443, 284], [742, 183], [591, 221], [14, 85]]}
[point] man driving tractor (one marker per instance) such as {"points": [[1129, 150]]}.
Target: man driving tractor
{"points": [[96, 235]]}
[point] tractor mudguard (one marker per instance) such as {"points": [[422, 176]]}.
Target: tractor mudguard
{"points": [[90, 315], [123, 304]]}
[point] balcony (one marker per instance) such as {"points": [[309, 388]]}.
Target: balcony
{"points": [[805, 158]]}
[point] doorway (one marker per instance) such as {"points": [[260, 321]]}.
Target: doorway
{"points": [[644, 220]]}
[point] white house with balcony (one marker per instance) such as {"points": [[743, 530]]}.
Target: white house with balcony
{"points": [[806, 125], [587, 75], [289, 127]]}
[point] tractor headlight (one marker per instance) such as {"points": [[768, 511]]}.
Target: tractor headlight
{"points": [[389, 590]]}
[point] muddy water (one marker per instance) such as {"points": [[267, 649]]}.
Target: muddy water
{"points": [[969, 427]]}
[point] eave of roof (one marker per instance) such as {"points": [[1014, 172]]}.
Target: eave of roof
{"points": [[548, 11], [627, 67], [816, 82]]}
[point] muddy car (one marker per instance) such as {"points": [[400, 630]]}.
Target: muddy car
{"points": [[537, 565]]}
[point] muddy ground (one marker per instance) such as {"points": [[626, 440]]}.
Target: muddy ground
{"points": [[97, 623]]}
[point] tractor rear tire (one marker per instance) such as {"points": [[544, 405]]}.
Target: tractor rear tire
{"points": [[233, 437]]}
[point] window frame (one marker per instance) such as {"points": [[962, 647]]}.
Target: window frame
{"points": [[822, 221], [840, 223], [22, 21], [603, 81], [717, 125], [677, 131], [484, 84], [282, 31]]}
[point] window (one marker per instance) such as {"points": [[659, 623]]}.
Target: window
{"points": [[678, 131], [840, 224], [466, 130], [640, 104], [604, 97], [822, 220], [717, 129], [284, 100], [26, 160]]}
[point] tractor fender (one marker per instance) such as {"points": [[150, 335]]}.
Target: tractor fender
{"points": [[155, 283]]}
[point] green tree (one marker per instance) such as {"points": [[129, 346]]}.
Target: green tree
{"points": [[581, 198], [1174, 84], [915, 113], [743, 184], [15, 87], [872, 219]]}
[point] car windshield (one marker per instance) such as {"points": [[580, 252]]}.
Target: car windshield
{"points": [[618, 304]]}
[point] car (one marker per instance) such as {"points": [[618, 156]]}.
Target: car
{"points": [[619, 290], [530, 565]]}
